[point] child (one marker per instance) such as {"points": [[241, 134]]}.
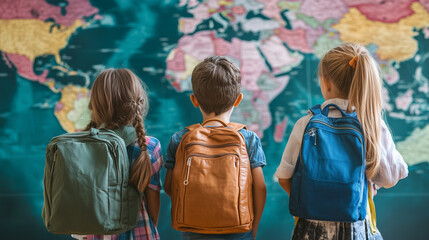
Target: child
{"points": [[350, 79], [118, 99], [216, 85]]}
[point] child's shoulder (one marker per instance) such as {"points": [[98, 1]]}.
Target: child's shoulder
{"points": [[152, 142], [303, 121], [177, 136], [248, 134]]}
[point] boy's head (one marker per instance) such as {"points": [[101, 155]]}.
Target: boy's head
{"points": [[216, 83]]}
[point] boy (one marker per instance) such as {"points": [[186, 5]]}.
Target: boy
{"points": [[216, 84]]}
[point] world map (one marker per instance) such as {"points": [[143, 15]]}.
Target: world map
{"points": [[52, 50]]}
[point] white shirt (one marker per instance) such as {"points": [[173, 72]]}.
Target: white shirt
{"points": [[392, 165]]}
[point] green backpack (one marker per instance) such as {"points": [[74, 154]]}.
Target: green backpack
{"points": [[86, 187]]}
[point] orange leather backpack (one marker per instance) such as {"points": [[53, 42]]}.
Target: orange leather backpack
{"points": [[212, 181]]}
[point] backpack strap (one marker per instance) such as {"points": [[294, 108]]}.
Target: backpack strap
{"points": [[371, 210], [194, 126], [128, 133], [237, 126], [214, 120], [325, 110], [316, 109]]}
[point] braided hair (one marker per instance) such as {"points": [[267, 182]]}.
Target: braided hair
{"points": [[142, 168]]}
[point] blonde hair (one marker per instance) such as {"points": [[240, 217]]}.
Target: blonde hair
{"points": [[357, 76], [118, 98]]}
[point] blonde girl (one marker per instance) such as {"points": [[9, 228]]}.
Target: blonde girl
{"points": [[350, 79], [118, 99]]}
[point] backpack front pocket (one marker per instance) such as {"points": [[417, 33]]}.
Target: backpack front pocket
{"points": [[211, 192]]}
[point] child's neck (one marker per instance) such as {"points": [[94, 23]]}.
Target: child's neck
{"points": [[223, 117]]}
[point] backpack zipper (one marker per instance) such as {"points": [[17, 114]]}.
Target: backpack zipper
{"points": [[189, 160], [351, 128], [188, 163], [339, 128], [312, 132]]}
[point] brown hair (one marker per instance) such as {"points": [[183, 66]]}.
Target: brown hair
{"points": [[118, 98], [216, 83], [355, 73]]}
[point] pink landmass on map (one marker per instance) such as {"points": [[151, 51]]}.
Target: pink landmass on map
{"points": [[199, 45], [295, 39], [251, 69], [384, 11], [261, 100], [25, 67], [280, 130], [238, 10], [276, 53], [404, 101], [223, 48], [312, 34], [178, 62], [40, 9], [323, 10], [425, 4], [272, 10], [391, 75]]}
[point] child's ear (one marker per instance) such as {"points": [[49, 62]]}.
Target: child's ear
{"points": [[194, 100], [238, 100]]}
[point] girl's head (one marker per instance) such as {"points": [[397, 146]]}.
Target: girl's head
{"points": [[354, 75], [119, 99]]}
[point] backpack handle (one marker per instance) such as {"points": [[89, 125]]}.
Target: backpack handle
{"points": [[325, 110], [214, 120]]}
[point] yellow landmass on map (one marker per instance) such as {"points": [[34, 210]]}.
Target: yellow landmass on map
{"points": [[395, 41], [32, 37], [190, 63], [65, 70], [225, 3], [72, 110], [415, 148]]}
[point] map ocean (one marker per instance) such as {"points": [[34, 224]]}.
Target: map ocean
{"points": [[44, 89]]}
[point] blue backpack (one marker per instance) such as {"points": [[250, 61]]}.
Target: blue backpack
{"points": [[329, 181]]}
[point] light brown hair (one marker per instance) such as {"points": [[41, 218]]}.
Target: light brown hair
{"points": [[354, 72], [216, 83], [118, 98]]}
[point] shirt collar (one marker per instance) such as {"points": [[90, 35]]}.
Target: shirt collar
{"points": [[340, 102]]}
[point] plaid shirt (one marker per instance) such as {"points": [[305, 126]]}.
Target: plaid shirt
{"points": [[145, 228]]}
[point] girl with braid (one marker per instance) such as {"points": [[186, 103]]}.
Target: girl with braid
{"points": [[118, 99]]}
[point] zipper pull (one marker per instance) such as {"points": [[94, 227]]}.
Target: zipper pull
{"points": [[313, 133], [188, 163]]}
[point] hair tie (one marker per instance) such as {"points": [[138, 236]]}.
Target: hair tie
{"points": [[353, 62]]}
